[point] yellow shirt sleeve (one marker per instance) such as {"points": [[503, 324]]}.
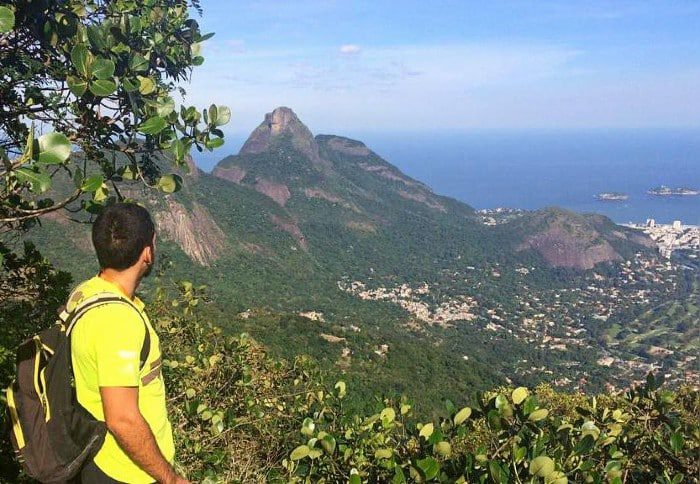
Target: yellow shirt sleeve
{"points": [[118, 338]]}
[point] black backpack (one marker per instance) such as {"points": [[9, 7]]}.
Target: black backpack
{"points": [[52, 434]]}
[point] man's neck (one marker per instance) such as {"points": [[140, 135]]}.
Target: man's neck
{"points": [[126, 281]]}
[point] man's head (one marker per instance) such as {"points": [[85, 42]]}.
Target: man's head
{"points": [[124, 238]]}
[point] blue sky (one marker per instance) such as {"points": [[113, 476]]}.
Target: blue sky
{"points": [[352, 66]]}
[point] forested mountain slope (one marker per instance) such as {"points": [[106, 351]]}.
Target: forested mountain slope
{"points": [[316, 244]]}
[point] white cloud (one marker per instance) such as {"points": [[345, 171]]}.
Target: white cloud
{"points": [[350, 49], [514, 85]]}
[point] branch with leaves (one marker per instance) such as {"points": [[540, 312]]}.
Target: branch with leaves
{"points": [[87, 80]]}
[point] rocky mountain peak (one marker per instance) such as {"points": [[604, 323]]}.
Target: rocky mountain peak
{"points": [[280, 122]]}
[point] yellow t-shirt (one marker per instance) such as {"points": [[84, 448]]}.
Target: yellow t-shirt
{"points": [[105, 348]]}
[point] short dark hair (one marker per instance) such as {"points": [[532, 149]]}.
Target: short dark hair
{"points": [[120, 233]]}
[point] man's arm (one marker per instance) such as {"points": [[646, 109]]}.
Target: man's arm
{"points": [[130, 429]]}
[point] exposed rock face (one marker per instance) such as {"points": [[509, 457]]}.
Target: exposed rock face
{"points": [[283, 121], [256, 249], [291, 227], [194, 231], [233, 173], [279, 192], [423, 198], [386, 172], [365, 227], [566, 239], [348, 146], [561, 249], [329, 197]]}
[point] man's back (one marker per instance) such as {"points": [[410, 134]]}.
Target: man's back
{"points": [[106, 346]]}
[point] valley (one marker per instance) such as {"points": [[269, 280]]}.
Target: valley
{"points": [[316, 245]]}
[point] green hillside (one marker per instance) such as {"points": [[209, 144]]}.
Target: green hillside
{"points": [[317, 245]]}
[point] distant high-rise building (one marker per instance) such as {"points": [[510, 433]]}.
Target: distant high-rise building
{"points": [[651, 222], [677, 225]]}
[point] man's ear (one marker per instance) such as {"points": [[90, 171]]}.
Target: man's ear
{"points": [[147, 254]]}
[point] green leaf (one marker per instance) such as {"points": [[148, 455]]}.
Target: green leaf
{"points": [[589, 428], [300, 452], [129, 84], [519, 395], [7, 19], [76, 85], [198, 60], [102, 68], [96, 37], [138, 63], [427, 430], [383, 453], [354, 479], [585, 445], [308, 426], [152, 126], [443, 448], [92, 183], [541, 466], [497, 473], [223, 116], [399, 477], [214, 143], [165, 106], [462, 415], [146, 85], [103, 87], [388, 415], [81, 58], [101, 194], [530, 405], [342, 389], [538, 415], [190, 392], [54, 148], [328, 444], [178, 149], [39, 182], [556, 477], [429, 466], [677, 442]]}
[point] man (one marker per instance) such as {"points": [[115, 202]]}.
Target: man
{"points": [[106, 345]]}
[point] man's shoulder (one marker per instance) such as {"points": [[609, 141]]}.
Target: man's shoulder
{"points": [[111, 317], [83, 291]]}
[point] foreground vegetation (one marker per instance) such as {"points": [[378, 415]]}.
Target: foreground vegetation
{"points": [[241, 415]]}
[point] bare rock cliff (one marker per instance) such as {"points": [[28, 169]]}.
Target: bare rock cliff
{"points": [[194, 230]]}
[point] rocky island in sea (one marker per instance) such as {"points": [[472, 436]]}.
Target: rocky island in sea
{"points": [[612, 197], [664, 191]]}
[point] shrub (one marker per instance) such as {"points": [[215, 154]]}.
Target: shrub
{"points": [[240, 415]]}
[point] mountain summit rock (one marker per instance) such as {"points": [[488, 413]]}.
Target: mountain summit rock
{"points": [[282, 123]]}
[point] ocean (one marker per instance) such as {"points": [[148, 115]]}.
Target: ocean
{"points": [[530, 170]]}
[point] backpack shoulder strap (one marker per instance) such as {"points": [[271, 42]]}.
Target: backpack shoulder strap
{"points": [[69, 320]]}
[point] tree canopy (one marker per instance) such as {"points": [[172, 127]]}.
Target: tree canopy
{"points": [[88, 92]]}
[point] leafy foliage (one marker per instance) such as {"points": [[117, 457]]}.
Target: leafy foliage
{"points": [[98, 77], [241, 415], [31, 292]]}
